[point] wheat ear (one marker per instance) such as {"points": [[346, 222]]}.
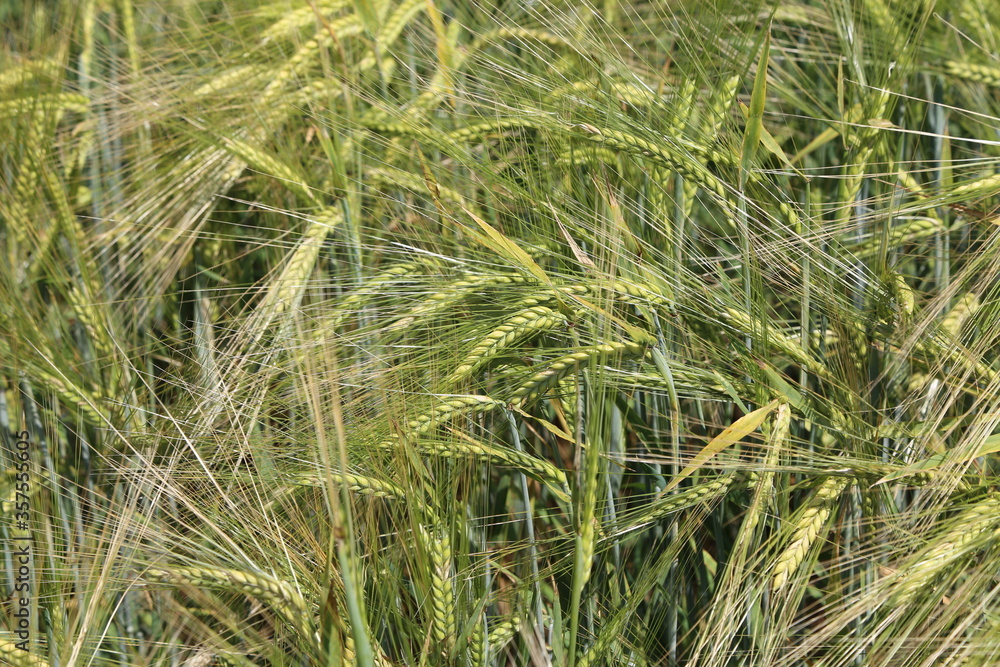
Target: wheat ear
{"points": [[279, 595], [438, 543], [16, 657], [942, 556], [521, 325], [541, 381], [536, 468], [810, 524], [501, 634], [351, 303], [986, 74], [964, 308], [665, 505], [292, 21], [393, 27], [455, 292], [368, 486]]}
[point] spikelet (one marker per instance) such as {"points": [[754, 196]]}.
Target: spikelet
{"points": [[676, 161], [11, 655], [344, 27], [501, 633], [351, 303], [681, 107], [777, 440], [979, 187], [476, 644], [904, 296], [592, 158], [719, 106], [357, 484], [454, 293], [525, 35], [267, 164], [286, 293], [291, 22], [44, 103], [787, 346], [200, 658], [238, 77], [398, 178], [963, 309], [393, 27], [22, 73]]}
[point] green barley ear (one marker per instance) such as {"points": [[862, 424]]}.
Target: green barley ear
{"points": [[445, 623], [361, 484], [521, 325], [964, 308], [15, 655], [543, 380], [278, 595], [809, 527], [292, 21], [536, 468], [986, 74], [962, 534], [448, 410]]}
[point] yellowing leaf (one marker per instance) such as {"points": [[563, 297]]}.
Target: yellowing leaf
{"points": [[508, 249], [740, 429]]}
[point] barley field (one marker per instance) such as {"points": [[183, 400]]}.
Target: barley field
{"points": [[489, 333]]}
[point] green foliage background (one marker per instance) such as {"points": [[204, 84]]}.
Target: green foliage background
{"points": [[501, 333]]}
